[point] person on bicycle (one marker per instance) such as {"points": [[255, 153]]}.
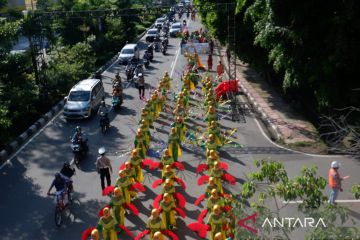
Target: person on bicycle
{"points": [[60, 184]]}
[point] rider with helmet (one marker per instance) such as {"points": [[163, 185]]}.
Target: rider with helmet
{"points": [[79, 137], [103, 112], [60, 184], [67, 172]]}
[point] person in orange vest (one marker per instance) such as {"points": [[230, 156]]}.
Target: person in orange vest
{"points": [[335, 181], [220, 69]]}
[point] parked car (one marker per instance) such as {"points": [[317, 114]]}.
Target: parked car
{"points": [[151, 34], [174, 29], [159, 22], [128, 52], [84, 99]]}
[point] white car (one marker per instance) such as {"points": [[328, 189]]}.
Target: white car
{"points": [[151, 35], [174, 29], [159, 22], [128, 52]]}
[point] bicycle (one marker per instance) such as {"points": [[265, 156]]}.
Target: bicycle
{"points": [[63, 200]]}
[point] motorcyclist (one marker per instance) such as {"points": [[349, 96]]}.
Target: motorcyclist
{"points": [[165, 41], [184, 22], [157, 42], [150, 49], [146, 55], [129, 70], [138, 70], [79, 137], [60, 184], [67, 172], [103, 112], [133, 60], [117, 79]]}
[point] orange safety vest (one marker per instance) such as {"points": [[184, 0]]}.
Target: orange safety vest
{"points": [[333, 182]]}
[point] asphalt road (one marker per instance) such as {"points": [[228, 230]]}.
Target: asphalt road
{"points": [[27, 213]]}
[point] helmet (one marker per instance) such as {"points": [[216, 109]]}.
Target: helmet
{"points": [[140, 74], [218, 236], [103, 103], [216, 208], [155, 212], [78, 129], [158, 236], [213, 192], [106, 212], [335, 164], [166, 196], [57, 175], [102, 151], [66, 165], [95, 234], [117, 192]]}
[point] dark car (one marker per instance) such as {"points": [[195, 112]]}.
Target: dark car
{"points": [[151, 34]]}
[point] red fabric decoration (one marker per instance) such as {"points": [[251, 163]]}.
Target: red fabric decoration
{"points": [[122, 167], [226, 86], [181, 199], [86, 233], [125, 229], [179, 166], [180, 212], [202, 215], [181, 182], [201, 167], [108, 190], [203, 179], [155, 165], [229, 178], [132, 208], [171, 234], [224, 165], [139, 186], [142, 234], [147, 162], [199, 199], [157, 183], [157, 201], [201, 229]]}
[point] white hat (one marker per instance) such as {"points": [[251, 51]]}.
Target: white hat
{"points": [[335, 164], [102, 150]]}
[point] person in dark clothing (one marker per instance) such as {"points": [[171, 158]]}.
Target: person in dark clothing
{"points": [[67, 172]]}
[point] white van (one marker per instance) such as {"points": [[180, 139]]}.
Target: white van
{"points": [[84, 99], [127, 52]]}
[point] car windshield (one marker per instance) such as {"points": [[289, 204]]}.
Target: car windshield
{"points": [[127, 51], [160, 20], [152, 32], [175, 26], [79, 96]]}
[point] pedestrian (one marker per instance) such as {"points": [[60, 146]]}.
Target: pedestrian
{"points": [[103, 167], [210, 62], [220, 69], [211, 46], [335, 181], [141, 86]]}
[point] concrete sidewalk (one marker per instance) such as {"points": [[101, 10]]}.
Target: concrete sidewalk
{"points": [[284, 123]]}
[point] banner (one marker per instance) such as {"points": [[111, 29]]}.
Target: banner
{"points": [[201, 48]]}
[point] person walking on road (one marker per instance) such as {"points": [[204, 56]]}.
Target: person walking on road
{"points": [[335, 181], [141, 86], [210, 62], [211, 46], [103, 167], [220, 69]]}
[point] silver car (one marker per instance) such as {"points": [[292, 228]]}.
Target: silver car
{"points": [[84, 99], [128, 52]]}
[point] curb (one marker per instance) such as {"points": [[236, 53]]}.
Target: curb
{"points": [[33, 129], [25, 136], [273, 129]]}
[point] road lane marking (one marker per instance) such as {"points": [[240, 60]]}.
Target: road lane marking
{"points": [[172, 63], [176, 58], [338, 201], [29, 141]]}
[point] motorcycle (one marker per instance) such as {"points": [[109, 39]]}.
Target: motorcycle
{"points": [[79, 148], [163, 49], [104, 122], [116, 103], [157, 46], [146, 62], [129, 71]]}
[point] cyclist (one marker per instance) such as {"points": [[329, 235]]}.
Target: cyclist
{"points": [[60, 184]]}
